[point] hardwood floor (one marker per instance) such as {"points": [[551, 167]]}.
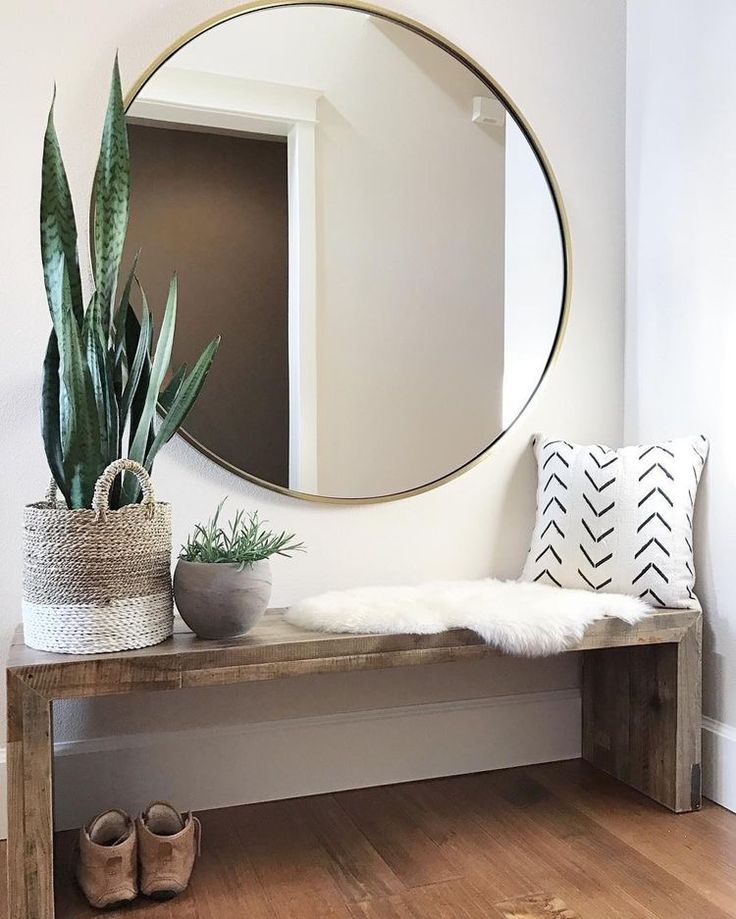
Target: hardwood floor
{"points": [[558, 841]]}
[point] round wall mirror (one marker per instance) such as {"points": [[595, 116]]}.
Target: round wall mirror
{"points": [[367, 222]]}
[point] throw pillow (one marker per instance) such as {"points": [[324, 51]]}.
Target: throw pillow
{"points": [[619, 521]]}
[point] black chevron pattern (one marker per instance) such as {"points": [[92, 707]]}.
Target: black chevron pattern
{"points": [[619, 521], [656, 470], [591, 584], [552, 503], [653, 518], [653, 468], [551, 549], [589, 531], [599, 488], [552, 525], [653, 542], [601, 561], [547, 574], [700, 451], [554, 454], [603, 464], [599, 476], [653, 494], [599, 512], [654, 449], [649, 595], [652, 567]]}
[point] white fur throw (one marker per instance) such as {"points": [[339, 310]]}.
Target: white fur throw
{"points": [[523, 619]]}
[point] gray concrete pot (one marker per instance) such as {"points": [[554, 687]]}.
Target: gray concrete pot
{"points": [[220, 601]]}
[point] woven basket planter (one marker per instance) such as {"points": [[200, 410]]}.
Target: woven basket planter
{"points": [[97, 580]]}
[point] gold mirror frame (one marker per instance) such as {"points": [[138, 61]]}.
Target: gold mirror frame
{"points": [[487, 79]]}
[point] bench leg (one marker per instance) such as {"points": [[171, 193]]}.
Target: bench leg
{"points": [[30, 803], [642, 711]]}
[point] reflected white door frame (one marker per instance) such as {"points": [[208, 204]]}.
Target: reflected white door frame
{"points": [[210, 101]]}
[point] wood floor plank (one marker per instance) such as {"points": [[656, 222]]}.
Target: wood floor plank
{"points": [[225, 882], [560, 839], [402, 844], [697, 850], [543, 863], [296, 873], [459, 899], [465, 842], [565, 832], [536, 906], [358, 869]]}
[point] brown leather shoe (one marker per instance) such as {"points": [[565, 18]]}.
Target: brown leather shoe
{"points": [[107, 866], [168, 843]]}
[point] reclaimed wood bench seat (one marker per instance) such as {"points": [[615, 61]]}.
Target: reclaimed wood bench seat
{"points": [[641, 706]]}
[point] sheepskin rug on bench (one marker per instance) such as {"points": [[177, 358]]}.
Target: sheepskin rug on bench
{"points": [[526, 619]]}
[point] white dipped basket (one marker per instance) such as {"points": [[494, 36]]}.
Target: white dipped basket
{"points": [[97, 580]]}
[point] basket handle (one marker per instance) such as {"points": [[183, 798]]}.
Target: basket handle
{"points": [[101, 497], [52, 493]]}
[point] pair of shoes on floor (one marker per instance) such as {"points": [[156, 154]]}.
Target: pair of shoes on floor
{"points": [[155, 855]]}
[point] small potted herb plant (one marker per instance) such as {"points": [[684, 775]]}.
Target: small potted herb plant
{"points": [[222, 582]]}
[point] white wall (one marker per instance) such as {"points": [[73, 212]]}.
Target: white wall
{"points": [[681, 299], [563, 63]]}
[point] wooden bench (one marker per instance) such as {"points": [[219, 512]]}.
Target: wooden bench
{"points": [[641, 707]]}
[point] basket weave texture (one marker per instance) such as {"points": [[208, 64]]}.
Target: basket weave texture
{"points": [[97, 580]]}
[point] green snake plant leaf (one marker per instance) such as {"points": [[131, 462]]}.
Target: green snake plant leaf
{"points": [[183, 401], [130, 492], [80, 428], [99, 365], [50, 421], [131, 488], [121, 315], [159, 366], [132, 334], [58, 226], [111, 199], [91, 346], [91, 324], [137, 363], [171, 390], [112, 418], [119, 339], [59, 295]]}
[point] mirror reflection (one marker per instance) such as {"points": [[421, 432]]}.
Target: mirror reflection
{"points": [[369, 229]]}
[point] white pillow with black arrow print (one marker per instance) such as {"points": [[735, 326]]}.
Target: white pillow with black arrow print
{"points": [[619, 521]]}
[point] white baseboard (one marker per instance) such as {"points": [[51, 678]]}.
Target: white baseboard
{"points": [[221, 766], [719, 762]]}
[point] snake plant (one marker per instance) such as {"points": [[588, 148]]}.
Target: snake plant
{"points": [[102, 377]]}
